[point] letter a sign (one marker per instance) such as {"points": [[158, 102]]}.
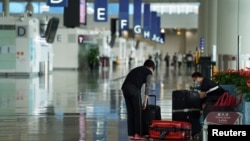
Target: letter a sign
{"points": [[57, 3]]}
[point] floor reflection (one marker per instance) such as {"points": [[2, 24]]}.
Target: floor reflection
{"points": [[76, 105]]}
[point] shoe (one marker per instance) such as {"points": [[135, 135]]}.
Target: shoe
{"points": [[138, 137]]}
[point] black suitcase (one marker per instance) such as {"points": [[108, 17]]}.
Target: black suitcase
{"points": [[152, 112], [186, 106]]}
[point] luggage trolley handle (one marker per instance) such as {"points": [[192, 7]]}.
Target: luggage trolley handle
{"points": [[151, 95], [165, 132]]}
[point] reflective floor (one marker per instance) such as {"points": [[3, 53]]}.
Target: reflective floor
{"points": [[70, 105]]}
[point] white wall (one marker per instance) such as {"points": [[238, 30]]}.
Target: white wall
{"points": [[191, 40], [174, 43], [66, 47], [66, 52], [183, 43]]}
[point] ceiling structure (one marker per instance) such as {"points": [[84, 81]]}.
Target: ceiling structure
{"points": [[111, 1], [161, 6], [165, 9]]}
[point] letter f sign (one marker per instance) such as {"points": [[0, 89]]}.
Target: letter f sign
{"points": [[124, 24]]}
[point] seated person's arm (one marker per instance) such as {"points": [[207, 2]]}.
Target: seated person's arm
{"points": [[202, 95]]}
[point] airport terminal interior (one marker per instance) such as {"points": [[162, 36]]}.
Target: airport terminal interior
{"points": [[69, 105], [50, 91]]}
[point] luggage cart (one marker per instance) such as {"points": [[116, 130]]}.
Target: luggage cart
{"points": [[221, 118]]}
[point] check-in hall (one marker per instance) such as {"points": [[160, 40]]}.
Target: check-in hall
{"points": [[63, 63]]}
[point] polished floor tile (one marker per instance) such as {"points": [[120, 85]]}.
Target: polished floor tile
{"points": [[71, 105]]}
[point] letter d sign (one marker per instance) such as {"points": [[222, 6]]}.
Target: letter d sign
{"points": [[57, 3], [21, 31]]}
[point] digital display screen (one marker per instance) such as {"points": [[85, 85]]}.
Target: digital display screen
{"points": [[71, 15], [83, 12]]}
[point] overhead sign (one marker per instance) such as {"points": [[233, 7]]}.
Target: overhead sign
{"points": [[158, 36], [123, 15], [146, 21], [202, 43], [57, 3], [100, 10], [137, 17], [21, 31], [154, 27], [83, 12], [85, 39]]}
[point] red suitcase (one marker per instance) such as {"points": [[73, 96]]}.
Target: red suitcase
{"points": [[170, 130]]}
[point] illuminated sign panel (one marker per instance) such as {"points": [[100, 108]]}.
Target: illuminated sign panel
{"points": [[57, 3]]}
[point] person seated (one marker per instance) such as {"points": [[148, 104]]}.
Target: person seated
{"points": [[210, 91]]}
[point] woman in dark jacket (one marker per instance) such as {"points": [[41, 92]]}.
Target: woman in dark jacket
{"points": [[131, 89]]}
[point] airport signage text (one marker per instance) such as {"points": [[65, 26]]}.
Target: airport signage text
{"points": [[57, 3]]}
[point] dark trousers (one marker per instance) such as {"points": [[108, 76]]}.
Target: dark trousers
{"points": [[167, 63], [189, 64], [179, 64], [133, 102]]}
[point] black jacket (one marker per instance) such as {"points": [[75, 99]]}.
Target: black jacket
{"points": [[137, 77]]}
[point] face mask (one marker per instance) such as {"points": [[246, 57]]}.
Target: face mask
{"points": [[195, 83]]}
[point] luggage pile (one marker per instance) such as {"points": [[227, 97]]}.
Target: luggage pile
{"points": [[186, 106], [185, 118], [170, 130]]}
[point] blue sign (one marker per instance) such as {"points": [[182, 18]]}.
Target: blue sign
{"points": [[153, 25], [123, 15], [57, 3], [202, 43], [156, 28], [160, 36], [101, 10], [146, 21], [137, 17]]}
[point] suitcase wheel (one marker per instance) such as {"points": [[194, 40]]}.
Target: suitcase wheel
{"points": [[147, 137], [197, 137]]}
